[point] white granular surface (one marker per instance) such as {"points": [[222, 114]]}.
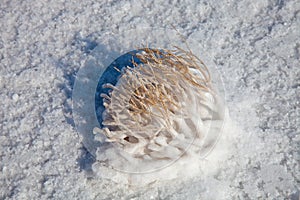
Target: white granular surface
{"points": [[255, 45]]}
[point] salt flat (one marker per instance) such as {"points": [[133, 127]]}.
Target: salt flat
{"points": [[255, 46]]}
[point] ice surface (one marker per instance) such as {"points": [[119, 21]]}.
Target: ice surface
{"points": [[254, 44]]}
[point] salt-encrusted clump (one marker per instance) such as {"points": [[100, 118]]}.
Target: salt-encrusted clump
{"points": [[159, 111]]}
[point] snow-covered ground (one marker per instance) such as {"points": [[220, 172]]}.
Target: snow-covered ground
{"points": [[255, 45]]}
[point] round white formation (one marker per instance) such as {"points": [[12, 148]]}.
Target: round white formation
{"points": [[159, 111]]}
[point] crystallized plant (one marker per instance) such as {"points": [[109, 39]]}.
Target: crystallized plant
{"points": [[159, 110]]}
